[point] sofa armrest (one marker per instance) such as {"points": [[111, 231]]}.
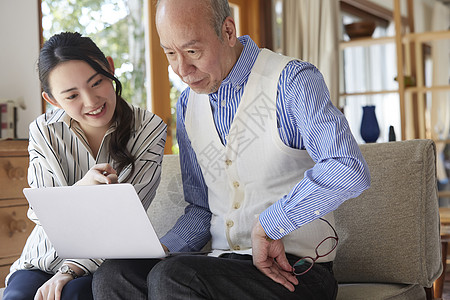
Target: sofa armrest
{"points": [[390, 233]]}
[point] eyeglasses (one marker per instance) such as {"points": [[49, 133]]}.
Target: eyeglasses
{"points": [[305, 264]]}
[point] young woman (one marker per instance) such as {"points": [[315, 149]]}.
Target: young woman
{"points": [[93, 137]]}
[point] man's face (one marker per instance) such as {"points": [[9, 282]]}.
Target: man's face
{"points": [[191, 45]]}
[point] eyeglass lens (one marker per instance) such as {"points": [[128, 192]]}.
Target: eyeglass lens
{"points": [[303, 265], [326, 246]]}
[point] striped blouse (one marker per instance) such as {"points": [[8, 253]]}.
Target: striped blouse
{"points": [[306, 120], [60, 156]]}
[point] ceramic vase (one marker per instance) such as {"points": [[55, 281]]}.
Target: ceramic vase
{"points": [[370, 131], [392, 137]]}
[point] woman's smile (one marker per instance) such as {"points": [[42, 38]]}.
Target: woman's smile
{"points": [[99, 111]]}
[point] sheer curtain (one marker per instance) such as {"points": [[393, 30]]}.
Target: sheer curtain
{"points": [[440, 102], [371, 68], [311, 33]]}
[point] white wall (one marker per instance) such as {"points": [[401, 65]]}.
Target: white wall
{"points": [[19, 50]]}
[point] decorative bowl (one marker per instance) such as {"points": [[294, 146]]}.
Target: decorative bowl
{"points": [[360, 29]]}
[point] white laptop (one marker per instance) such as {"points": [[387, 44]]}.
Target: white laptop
{"points": [[96, 221]]}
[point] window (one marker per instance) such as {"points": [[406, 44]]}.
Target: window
{"points": [[116, 26]]}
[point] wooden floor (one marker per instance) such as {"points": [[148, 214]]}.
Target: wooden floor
{"points": [[446, 293]]}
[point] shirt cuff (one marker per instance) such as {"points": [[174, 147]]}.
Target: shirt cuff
{"points": [[275, 222], [89, 266], [174, 242]]}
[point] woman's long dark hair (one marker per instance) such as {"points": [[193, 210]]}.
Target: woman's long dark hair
{"points": [[72, 46]]}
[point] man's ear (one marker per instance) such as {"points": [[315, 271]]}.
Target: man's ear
{"points": [[229, 31], [50, 100], [111, 63]]}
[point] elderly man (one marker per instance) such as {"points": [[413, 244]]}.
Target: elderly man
{"points": [[265, 159]]}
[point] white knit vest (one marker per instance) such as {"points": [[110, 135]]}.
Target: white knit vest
{"points": [[255, 168]]}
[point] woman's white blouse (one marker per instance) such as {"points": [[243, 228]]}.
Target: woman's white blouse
{"points": [[60, 156]]}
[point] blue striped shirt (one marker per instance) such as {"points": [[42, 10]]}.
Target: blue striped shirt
{"points": [[306, 120]]}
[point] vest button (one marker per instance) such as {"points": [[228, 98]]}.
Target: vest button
{"points": [[236, 205], [228, 162], [223, 103], [236, 184], [237, 247], [230, 223]]}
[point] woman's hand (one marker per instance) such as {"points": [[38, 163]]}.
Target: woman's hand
{"points": [[53, 287], [99, 174]]}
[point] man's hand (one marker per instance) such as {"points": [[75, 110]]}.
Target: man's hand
{"points": [[269, 257], [53, 287], [99, 174]]}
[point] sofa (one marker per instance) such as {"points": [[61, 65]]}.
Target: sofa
{"points": [[389, 243]]}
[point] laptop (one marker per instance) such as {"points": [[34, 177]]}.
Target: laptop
{"points": [[96, 221]]}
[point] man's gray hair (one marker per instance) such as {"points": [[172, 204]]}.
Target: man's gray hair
{"points": [[220, 10]]}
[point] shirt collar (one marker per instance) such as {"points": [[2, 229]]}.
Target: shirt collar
{"points": [[241, 70], [58, 115]]}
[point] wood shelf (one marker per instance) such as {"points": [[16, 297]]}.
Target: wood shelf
{"points": [[443, 194], [369, 93], [447, 141], [413, 62], [428, 36], [420, 37], [365, 42], [424, 89], [413, 89]]}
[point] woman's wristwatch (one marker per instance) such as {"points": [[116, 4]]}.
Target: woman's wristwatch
{"points": [[65, 269]]}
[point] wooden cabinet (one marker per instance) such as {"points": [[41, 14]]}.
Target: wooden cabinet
{"points": [[15, 227]]}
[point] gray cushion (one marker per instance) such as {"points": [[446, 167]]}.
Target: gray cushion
{"points": [[377, 291], [390, 233], [169, 203]]}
